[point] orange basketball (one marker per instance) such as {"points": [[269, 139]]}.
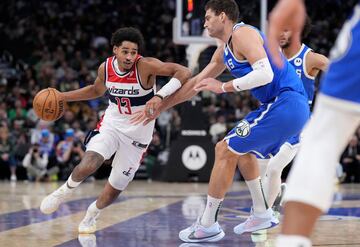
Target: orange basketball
{"points": [[49, 104]]}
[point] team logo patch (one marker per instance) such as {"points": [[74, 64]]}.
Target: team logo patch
{"points": [[298, 61], [243, 129]]}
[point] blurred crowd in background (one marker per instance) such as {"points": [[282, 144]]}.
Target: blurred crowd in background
{"points": [[60, 44]]}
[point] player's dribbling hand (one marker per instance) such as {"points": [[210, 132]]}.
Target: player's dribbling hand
{"points": [[209, 84]]}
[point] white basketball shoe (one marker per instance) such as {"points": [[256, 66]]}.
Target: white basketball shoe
{"points": [[88, 224], [51, 203], [198, 233], [255, 223]]}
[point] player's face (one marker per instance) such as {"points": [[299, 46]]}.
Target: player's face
{"points": [[213, 23], [285, 39], [126, 54]]}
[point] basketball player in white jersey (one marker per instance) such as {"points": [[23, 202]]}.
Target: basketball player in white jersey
{"points": [[310, 183], [307, 65], [130, 81]]}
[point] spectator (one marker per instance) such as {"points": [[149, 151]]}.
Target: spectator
{"points": [[20, 149], [218, 129], [350, 161], [6, 159], [36, 163], [69, 152], [46, 143], [152, 152]]}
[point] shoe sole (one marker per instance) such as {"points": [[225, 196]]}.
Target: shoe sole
{"points": [[215, 238], [86, 232], [272, 224]]}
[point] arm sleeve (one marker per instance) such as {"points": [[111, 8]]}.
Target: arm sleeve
{"points": [[262, 74]]}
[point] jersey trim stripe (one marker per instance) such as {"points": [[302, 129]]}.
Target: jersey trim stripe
{"points": [[106, 70], [304, 66], [298, 53], [138, 76]]}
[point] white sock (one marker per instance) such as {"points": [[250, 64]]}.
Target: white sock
{"points": [[210, 214], [93, 208], [71, 183], [272, 182], [257, 195], [292, 241], [263, 165]]}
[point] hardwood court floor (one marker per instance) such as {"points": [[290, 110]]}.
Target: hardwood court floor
{"points": [[151, 214]]}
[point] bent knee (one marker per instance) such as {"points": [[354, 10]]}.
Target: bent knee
{"points": [[222, 151], [92, 158]]}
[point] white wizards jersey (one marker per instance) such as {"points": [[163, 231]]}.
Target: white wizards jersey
{"points": [[126, 96]]}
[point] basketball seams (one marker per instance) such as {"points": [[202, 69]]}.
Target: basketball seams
{"points": [[43, 106], [57, 111]]}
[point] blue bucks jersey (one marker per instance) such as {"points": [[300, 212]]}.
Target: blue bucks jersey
{"points": [[298, 61], [285, 79], [343, 78]]}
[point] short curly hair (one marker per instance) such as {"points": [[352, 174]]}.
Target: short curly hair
{"points": [[127, 34]]}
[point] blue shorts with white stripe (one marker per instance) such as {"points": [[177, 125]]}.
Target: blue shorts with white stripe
{"points": [[263, 131]]}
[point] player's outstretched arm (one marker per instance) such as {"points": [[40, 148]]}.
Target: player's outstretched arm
{"points": [[287, 14], [213, 69], [89, 92], [248, 45], [187, 91], [152, 66]]}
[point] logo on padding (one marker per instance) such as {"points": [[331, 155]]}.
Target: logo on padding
{"points": [[194, 157]]}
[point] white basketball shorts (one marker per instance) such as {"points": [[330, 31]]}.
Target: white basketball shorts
{"points": [[127, 158]]}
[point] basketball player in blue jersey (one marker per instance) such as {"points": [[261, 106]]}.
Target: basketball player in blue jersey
{"points": [[307, 65], [335, 118], [283, 113], [130, 82]]}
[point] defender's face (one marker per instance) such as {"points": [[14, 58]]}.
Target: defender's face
{"points": [[285, 39], [213, 23], [126, 54]]}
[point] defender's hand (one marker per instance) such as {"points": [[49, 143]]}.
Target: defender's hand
{"points": [[152, 107], [209, 84]]}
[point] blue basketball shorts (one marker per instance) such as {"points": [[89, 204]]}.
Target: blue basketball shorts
{"points": [[263, 131]]}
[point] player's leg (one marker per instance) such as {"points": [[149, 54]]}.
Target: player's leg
{"points": [[107, 196], [207, 229], [279, 120], [100, 147], [125, 164], [308, 196], [262, 217], [263, 166], [272, 181]]}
